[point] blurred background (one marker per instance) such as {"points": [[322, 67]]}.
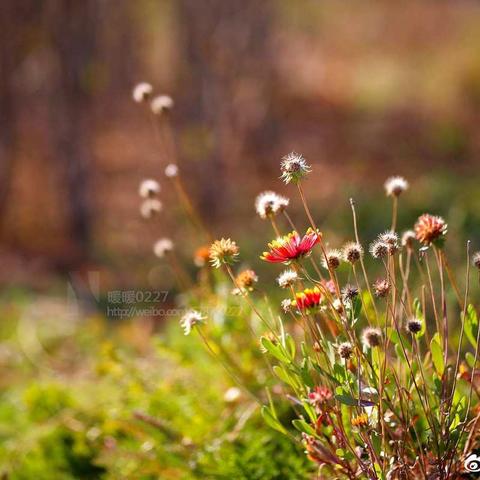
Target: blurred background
{"points": [[362, 92]]}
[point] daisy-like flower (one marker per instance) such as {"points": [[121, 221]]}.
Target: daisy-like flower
{"points": [[245, 281], [269, 204], [391, 239], [190, 319], [287, 278], [331, 260], [379, 249], [395, 186], [360, 420], [408, 239], [161, 103], [309, 299], [371, 337], [142, 92], [381, 287], [414, 325], [162, 247], [150, 207], [224, 251], [294, 167], [201, 256], [345, 350], [476, 260], [171, 170], [352, 252], [430, 228], [148, 188], [292, 246]]}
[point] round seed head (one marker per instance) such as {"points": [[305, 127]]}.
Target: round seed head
{"points": [[171, 170], [349, 292], [371, 337], [149, 188], [381, 288], [395, 186], [150, 207], [408, 239], [331, 261], [287, 305], [476, 260], [379, 249], [142, 92], [345, 350], [162, 247], [161, 103], [224, 251], [287, 278], [294, 167], [391, 239], [352, 252], [269, 204], [414, 325], [246, 279]]}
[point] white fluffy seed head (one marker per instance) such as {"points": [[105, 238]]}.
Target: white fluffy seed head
{"points": [[148, 188], [270, 204], [142, 92], [161, 103], [332, 259], [371, 337], [162, 247], [190, 319], [171, 170], [414, 325], [150, 207], [379, 249], [408, 239], [287, 278], [395, 186], [391, 239], [294, 167], [352, 252]]}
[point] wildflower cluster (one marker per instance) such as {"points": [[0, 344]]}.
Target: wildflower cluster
{"points": [[378, 385]]}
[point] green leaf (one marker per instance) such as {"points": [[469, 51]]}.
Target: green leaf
{"points": [[290, 346], [303, 426], [346, 399], [471, 325], [271, 420], [286, 377], [470, 358], [437, 354], [275, 350]]}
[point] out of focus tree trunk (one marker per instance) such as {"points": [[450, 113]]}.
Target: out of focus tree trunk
{"points": [[225, 80], [8, 27], [72, 25]]}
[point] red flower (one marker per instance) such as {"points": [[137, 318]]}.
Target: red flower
{"points": [[308, 299], [292, 246]]}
